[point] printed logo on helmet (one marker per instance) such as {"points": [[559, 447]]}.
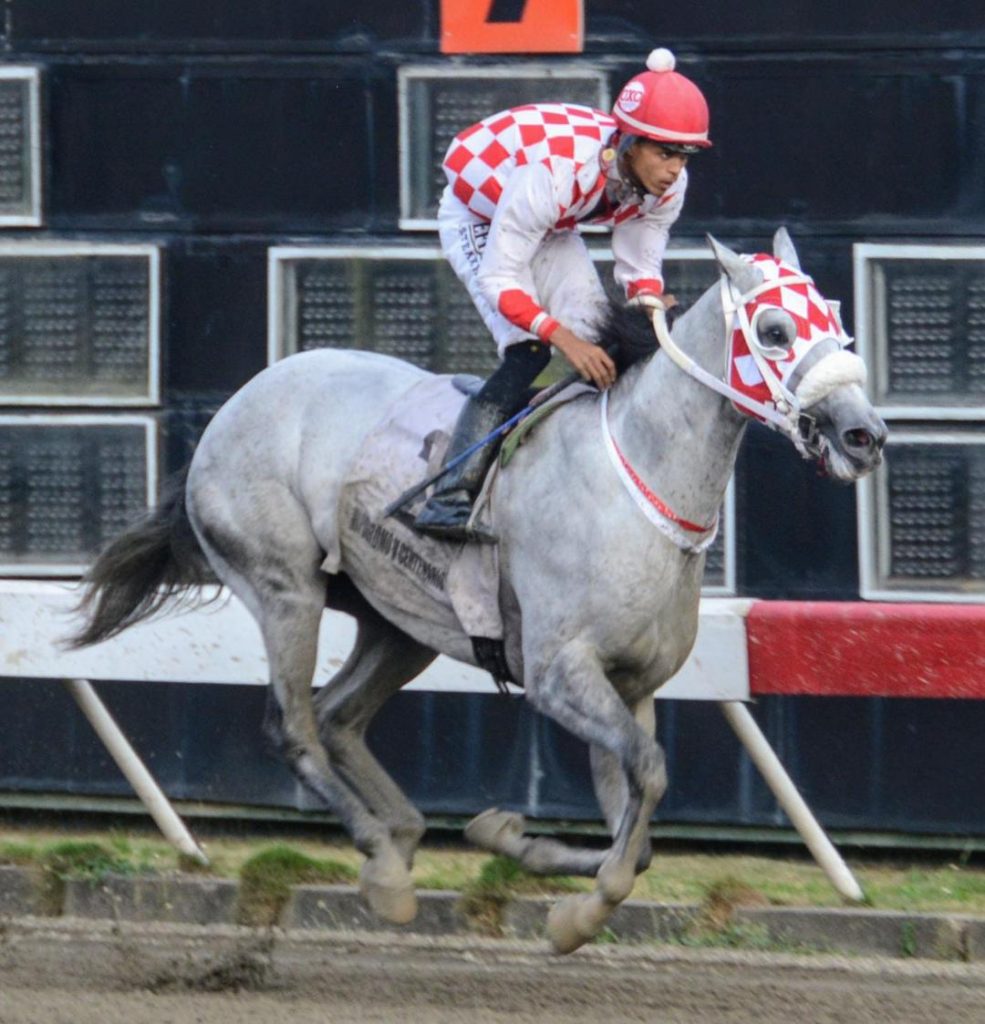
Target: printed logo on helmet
{"points": [[631, 97]]}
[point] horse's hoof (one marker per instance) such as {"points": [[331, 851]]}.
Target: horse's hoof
{"points": [[575, 920], [389, 891], [495, 830]]}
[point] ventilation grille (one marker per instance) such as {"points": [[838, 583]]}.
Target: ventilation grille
{"points": [[19, 147], [77, 327], [924, 332], [67, 486], [924, 536]]}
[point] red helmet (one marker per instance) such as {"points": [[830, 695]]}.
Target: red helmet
{"points": [[663, 105]]}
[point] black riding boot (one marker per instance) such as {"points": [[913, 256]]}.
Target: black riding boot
{"points": [[447, 511]]}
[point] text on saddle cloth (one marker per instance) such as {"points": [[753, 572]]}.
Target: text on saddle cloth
{"points": [[414, 573]]}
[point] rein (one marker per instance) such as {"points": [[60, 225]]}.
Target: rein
{"points": [[784, 413]]}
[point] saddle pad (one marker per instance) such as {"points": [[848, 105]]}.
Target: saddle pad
{"points": [[412, 575], [519, 433]]}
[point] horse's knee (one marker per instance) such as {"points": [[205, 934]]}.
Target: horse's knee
{"points": [[645, 857]]}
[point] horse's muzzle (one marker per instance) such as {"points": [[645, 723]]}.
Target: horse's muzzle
{"points": [[863, 443]]}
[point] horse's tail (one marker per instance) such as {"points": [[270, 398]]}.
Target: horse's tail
{"points": [[156, 559]]}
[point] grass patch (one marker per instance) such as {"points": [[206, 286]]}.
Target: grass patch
{"points": [[266, 880], [86, 860], [892, 880], [77, 859], [18, 854], [500, 880]]}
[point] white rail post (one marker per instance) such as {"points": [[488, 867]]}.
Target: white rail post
{"points": [[151, 795], [787, 795]]}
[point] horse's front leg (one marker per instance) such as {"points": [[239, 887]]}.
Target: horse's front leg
{"points": [[576, 693]]}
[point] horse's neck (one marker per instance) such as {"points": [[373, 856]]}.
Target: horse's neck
{"points": [[680, 436]]}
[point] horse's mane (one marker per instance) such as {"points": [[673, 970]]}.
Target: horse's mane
{"points": [[627, 334]]}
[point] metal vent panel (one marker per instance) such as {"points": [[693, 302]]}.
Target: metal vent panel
{"points": [[920, 317], [78, 324], [437, 103], [68, 485], [20, 147], [922, 518]]}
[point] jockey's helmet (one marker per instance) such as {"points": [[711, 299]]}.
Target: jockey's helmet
{"points": [[661, 104]]}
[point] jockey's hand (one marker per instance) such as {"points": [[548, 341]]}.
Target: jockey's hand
{"points": [[591, 361]]}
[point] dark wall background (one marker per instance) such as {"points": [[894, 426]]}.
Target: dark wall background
{"points": [[220, 127]]}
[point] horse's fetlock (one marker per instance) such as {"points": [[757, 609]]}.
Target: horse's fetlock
{"points": [[408, 833], [615, 881], [373, 842]]}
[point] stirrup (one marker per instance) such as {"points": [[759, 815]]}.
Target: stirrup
{"points": [[447, 516]]}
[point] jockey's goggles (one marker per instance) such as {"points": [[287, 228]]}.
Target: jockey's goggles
{"points": [[625, 141]]}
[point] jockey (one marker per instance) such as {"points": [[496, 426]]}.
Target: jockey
{"points": [[519, 184]]}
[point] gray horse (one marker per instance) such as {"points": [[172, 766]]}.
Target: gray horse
{"points": [[602, 517]]}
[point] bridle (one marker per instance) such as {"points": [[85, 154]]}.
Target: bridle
{"points": [[823, 367], [813, 373]]}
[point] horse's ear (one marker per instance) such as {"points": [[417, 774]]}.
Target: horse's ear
{"points": [[783, 248], [742, 274]]}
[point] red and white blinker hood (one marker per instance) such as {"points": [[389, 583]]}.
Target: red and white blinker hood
{"points": [[789, 380]]}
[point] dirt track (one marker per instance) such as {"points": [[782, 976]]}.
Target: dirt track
{"points": [[81, 973]]}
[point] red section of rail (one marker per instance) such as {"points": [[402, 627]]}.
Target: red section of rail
{"points": [[851, 649]]}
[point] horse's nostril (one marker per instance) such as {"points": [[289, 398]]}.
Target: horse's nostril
{"points": [[859, 438]]}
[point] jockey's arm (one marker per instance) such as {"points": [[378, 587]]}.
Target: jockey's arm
{"points": [[638, 248], [526, 212]]}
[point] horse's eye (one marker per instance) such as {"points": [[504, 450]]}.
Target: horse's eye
{"points": [[775, 336]]}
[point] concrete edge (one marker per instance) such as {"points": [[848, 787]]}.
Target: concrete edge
{"points": [[196, 900]]}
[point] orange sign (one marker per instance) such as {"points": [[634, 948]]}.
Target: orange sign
{"points": [[512, 26]]}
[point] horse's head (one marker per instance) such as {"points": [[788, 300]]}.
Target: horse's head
{"points": [[788, 363]]}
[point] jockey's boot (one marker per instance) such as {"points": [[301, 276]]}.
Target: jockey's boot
{"points": [[447, 511]]}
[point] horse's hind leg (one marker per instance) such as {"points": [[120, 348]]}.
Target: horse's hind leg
{"points": [[280, 582], [383, 659]]}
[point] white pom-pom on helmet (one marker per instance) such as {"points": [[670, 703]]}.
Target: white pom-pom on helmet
{"points": [[661, 104]]}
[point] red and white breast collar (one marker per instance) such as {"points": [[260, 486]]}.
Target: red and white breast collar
{"points": [[684, 533]]}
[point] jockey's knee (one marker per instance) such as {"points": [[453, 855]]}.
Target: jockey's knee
{"points": [[522, 363]]}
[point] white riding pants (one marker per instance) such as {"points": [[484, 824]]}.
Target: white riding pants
{"points": [[561, 277]]}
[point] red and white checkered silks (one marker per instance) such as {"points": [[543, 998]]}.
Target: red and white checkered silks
{"points": [[810, 312], [481, 157], [547, 159]]}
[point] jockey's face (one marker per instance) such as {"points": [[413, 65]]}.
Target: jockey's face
{"points": [[654, 166]]}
